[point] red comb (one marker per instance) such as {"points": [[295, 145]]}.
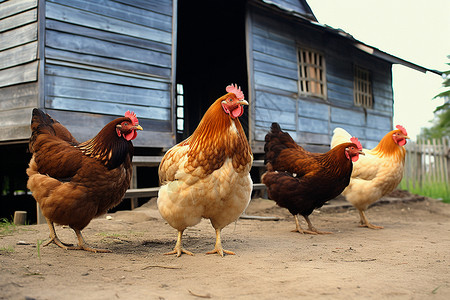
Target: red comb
{"points": [[233, 88], [355, 141], [132, 116], [402, 129]]}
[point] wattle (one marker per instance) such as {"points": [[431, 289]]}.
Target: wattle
{"points": [[130, 136], [237, 112]]}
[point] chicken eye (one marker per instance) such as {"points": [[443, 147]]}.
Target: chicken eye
{"points": [[229, 99], [125, 123]]}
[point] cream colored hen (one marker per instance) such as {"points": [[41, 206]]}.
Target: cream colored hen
{"points": [[377, 173], [207, 175]]}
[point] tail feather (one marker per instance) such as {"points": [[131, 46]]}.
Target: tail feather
{"points": [[340, 136], [275, 141], [42, 123]]}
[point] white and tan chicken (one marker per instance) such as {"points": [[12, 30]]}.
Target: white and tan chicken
{"points": [[377, 173]]}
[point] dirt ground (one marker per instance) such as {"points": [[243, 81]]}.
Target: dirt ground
{"points": [[409, 259]]}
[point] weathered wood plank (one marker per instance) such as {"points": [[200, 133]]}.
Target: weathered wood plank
{"points": [[18, 36], [108, 62], [314, 138], [87, 45], [19, 96], [339, 115], [313, 109], [270, 115], [276, 82], [275, 48], [64, 69], [15, 117], [313, 125], [121, 11], [275, 102], [380, 122], [12, 7], [18, 20], [275, 70], [161, 6], [63, 87], [108, 36], [16, 132], [88, 106], [18, 55], [88, 19], [277, 61], [19, 74]]}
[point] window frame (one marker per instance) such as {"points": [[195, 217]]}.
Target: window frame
{"points": [[307, 85], [362, 87]]}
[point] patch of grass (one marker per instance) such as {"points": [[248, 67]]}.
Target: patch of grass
{"points": [[436, 190], [9, 249], [38, 248], [6, 226]]}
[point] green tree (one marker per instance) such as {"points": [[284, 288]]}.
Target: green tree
{"points": [[441, 124]]}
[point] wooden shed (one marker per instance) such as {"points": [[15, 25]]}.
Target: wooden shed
{"points": [[86, 62]]}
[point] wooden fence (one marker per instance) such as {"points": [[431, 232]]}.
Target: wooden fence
{"points": [[427, 163]]}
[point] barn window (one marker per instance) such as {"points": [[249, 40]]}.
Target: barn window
{"points": [[362, 88], [312, 73]]}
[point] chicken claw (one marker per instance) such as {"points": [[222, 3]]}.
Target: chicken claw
{"points": [[82, 245], [312, 229], [365, 223], [178, 249], [218, 247], [54, 238]]}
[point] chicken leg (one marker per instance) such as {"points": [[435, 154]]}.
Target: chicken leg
{"points": [[312, 229], [218, 247], [54, 238], [178, 250], [365, 223], [82, 245]]}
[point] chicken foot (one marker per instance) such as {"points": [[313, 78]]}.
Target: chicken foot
{"points": [[82, 244], [54, 238], [218, 246], [365, 223], [312, 229], [178, 250]]}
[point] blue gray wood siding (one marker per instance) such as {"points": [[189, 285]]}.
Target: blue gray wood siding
{"points": [[18, 67], [273, 58], [107, 57]]}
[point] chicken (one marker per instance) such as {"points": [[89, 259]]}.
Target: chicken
{"points": [[74, 183], [376, 174], [207, 175], [302, 181]]}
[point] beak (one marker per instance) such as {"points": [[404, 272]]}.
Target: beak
{"points": [[361, 152], [407, 137], [138, 127], [243, 102]]}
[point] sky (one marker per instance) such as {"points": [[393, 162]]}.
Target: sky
{"points": [[416, 31]]}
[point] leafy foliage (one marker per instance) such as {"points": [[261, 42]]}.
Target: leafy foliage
{"points": [[441, 124]]}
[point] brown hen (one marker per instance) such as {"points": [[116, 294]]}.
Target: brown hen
{"points": [[74, 183], [302, 181]]}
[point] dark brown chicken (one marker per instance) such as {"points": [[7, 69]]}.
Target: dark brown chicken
{"points": [[302, 181], [74, 183]]}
